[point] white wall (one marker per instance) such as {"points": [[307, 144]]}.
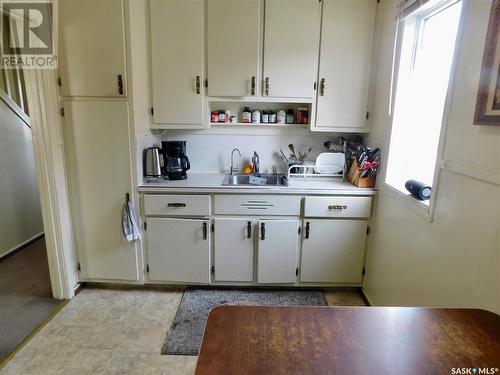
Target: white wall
{"points": [[454, 260], [20, 212]]}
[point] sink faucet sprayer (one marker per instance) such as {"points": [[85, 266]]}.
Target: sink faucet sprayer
{"points": [[233, 168]]}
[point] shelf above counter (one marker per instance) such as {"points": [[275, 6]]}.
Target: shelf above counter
{"points": [[258, 124]]}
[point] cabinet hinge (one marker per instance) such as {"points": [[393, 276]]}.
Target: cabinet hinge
{"points": [[78, 267], [206, 82], [145, 225], [59, 81], [363, 272], [147, 268], [297, 271], [299, 231], [367, 115], [368, 230], [62, 111], [314, 85], [212, 227], [152, 111], [213, 270]]}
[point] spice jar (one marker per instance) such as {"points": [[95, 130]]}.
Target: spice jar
{"points": [[246, 115], [289, 116], [222, 116], [265, 117], [272, 117], [214, 116], [281, 118], [256, 116]]}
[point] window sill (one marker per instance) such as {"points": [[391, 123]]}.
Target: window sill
{"points": [[418, 207]]}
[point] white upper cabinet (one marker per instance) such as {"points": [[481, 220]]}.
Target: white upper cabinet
{"points": [[92, 48], [291, 47], [344, 65], [234, 43], [177, 32]]}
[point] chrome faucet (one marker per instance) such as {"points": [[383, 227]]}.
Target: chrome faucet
{"points": [[233, 168], [255, 162]]}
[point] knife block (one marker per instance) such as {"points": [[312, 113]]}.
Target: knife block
{"points": [[354, 177]]}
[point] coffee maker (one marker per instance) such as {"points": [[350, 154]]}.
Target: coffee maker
{"points": [[176, 163]]}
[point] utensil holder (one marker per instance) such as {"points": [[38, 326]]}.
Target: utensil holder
{"points": [[354, 177]]}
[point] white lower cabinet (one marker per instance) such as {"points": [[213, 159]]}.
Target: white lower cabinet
{"points": [[234, 249], [178, 250], [332, 251], [278, 244]]}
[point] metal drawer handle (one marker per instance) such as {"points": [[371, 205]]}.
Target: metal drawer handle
{"points": [[307, 230], [205, 231], [262, 231], [249, 230], [337, 207], [176, 205]]}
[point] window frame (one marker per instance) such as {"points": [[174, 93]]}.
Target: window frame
{"points": [[422, 209]]}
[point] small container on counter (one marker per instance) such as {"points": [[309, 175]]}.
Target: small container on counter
{"points": [[228, 116], [233, 119], [302, 116], [289, 116], [265, 117], [222, 116], [272, 117], [246, 115], [214, 116], [281, 117], [256, 116]]}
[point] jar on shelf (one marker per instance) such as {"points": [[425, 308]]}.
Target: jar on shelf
{"points": [[222, 116], [289, 116], [281, 117], [256, 116], [214, 116], [246, 115], [265, 117]]}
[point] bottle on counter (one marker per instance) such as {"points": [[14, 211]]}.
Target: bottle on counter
{"points": [[281, 117], [289, 116], [246, 115], [256, 116]]}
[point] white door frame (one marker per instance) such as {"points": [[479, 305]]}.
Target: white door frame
{"points": [[47, 132]]}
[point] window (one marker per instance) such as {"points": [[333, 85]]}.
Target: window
{"points": [[426, 56]]}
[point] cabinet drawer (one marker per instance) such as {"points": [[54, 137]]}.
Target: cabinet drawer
{"points": [[257, 205], [177, 205], [358, 207]]}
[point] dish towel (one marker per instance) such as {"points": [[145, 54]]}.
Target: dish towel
{"points": [[130, 228]]}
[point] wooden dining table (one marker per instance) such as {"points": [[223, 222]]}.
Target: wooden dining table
{"points": [[349, 340]]}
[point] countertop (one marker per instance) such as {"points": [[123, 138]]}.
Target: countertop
{"points": [[212, 183]]}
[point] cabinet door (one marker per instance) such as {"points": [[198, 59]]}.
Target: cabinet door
{"points": [[233, 34], [344, 65], [178, 250], [177, 61], [332, 251], [234, 244], [277, 247], [291, 47], [92, 47], [97, 146]]}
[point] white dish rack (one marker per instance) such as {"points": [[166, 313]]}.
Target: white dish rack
{"points": [[308, 171]]}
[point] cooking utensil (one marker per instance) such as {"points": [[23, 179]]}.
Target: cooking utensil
{"points": [[283, 154], [292, 148]]}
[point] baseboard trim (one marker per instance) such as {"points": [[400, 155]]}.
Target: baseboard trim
{"points": [[365, 297], [21, 246]]}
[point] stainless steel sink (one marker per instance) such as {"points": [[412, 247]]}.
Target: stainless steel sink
{"points": [[260, 180]]}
